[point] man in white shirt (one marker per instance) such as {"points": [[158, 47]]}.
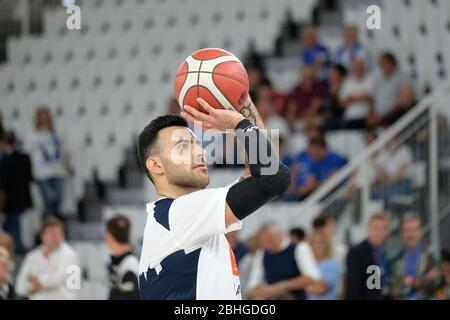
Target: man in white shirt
{"points": [[356, 96], [45, 271], [185, 255], [282, 270], [387, 84]]}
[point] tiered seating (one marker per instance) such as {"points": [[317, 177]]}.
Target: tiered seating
{"points": [[417, 31], [108, 80]]}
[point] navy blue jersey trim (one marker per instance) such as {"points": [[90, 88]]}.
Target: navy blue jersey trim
{"points": [[161, 212], [177, 279]]}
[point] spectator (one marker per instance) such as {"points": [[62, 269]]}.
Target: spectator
{"points": [[6, 288], [314, 53], [173, 108], [44, 272], [351, 48], [15, 173], [256, 78], [330, 269], [266, 92], [409, 269], [386, 87], [240, 249], [282, 270], [356, 96], [8, 243], [443, 291], [331, 109], [297, 235], [392, 171], [327, 225], [124, 266], [314, 166], [368, 253], [304, 101], [272, 120], [49, 161], [406, 100]]}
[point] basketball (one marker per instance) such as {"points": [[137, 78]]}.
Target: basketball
{"points": [[216, 76]]}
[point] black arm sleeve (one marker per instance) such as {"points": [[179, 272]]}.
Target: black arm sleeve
{"points": [[247, 196]]}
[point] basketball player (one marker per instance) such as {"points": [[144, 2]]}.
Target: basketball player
{"points": [[185, 254]]}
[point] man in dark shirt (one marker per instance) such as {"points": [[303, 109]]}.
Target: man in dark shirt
{"points": [[361, 281], [15, 179], [124, 266]]}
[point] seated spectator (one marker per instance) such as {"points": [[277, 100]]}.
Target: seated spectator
{"points": [[272, 120], [330, 109], [387, 83], [356, 96], [406, 100], [265, 91], [282, 270], [173, 107], [44, 272], [330, 269], [409, 269], [6, 288], [314, 53], [313, 167], [297, 235], [350, 49], [255, 77], [327, 225], [392, 171], [304, 101], [240, 249], [15, 172], [124, 266], [443, 290], [368, 253]]}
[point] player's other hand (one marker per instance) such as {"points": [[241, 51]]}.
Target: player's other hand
{"points": [[215, 119]]}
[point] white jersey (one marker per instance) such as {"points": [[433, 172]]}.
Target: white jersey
{"points": [[185, 254]]}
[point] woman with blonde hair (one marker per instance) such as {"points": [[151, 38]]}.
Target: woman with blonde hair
{"points": [[330, 269], [48, 161]]}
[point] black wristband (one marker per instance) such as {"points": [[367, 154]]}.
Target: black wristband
{"points": [[244, 124]]}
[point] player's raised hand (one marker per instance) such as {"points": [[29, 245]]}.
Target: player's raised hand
{"points": [[216, 119]]}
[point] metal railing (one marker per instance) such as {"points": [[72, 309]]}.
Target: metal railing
{"points": [[418, 146]]}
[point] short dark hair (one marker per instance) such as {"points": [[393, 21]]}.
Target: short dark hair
{"points": [[321, 221], [8, 138], [389, 57], [148, 137], [119, 228], [318, 140], [298, 232], [51, 222], [340, 69]]}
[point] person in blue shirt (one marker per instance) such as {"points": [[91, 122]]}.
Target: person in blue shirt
{"points": [[314, 52], [330, 269], [350, 49], [313, 167]]}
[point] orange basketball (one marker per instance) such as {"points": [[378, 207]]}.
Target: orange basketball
{"points": [[214, 75]]}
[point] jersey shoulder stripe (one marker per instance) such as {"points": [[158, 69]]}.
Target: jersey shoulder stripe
{"points": [[161, 212], [177, 279]]}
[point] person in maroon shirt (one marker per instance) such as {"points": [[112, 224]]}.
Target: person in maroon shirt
{"points": [[304, 101]]}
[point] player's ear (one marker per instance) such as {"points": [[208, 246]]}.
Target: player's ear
{"points": [[154, 166]]}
